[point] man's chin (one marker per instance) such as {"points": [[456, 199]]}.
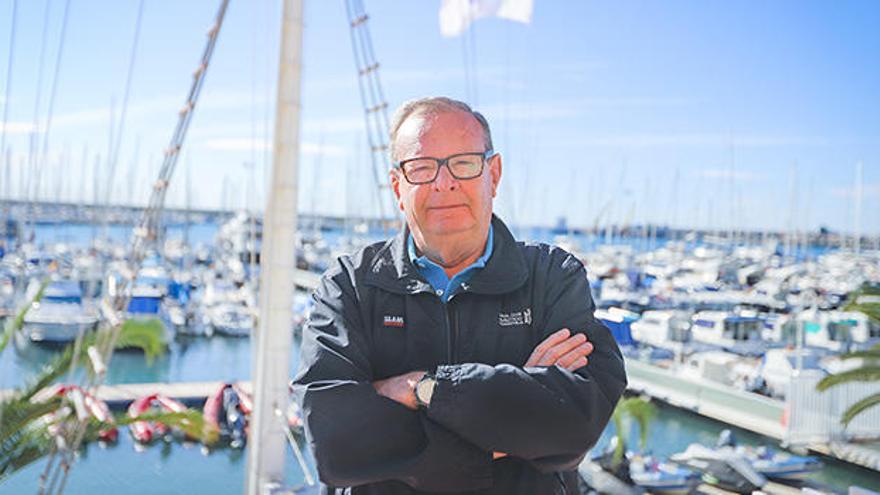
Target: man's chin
{"points": [[450, 227]]}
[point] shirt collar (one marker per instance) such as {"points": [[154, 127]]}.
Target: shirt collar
{"points": [[421, 262]]}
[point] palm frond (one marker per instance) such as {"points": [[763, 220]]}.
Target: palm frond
{"points": [[861, 374], [639, 409], [872, 353], [191, 422], [19, 414], [51, 371], [17, 323], [146, 335], [859, 407], [32, 445]]}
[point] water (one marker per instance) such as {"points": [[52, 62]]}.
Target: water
{"points": [[82, 233], [178, 468], [189, 359], [673, 429], [159, 469]]}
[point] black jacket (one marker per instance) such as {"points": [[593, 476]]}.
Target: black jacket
{"points": [[376, 317]]}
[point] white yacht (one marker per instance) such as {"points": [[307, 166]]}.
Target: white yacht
{"points": [[235, 320], [736, 333], [60, 316], [664, 329], [835, 330]]}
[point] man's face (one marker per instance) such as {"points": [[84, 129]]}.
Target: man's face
{"points": [[447, 205]]}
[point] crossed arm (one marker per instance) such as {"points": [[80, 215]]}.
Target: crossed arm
{"points": [[546, 413], [559, 349]]}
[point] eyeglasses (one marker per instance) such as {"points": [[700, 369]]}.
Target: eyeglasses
{"points": [[462, 166]]}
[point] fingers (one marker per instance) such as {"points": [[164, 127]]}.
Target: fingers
{"points": [[554, 339], [555, 353], [576, 358]]}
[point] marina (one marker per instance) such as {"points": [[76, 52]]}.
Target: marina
{"points": [[153, 293], [189, 370]]}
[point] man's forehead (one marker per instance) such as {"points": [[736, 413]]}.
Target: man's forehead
{"points": [[422, 129]]}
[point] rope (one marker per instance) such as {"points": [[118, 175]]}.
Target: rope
{"points": [[32, 148], [53, 92], [114, 157], [114, 306], [3, 154]]}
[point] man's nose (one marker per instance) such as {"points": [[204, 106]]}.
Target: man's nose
{"points": [[445, 181]]}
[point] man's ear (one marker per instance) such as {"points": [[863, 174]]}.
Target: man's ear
{"points": [[394, 177], [495, 172]]}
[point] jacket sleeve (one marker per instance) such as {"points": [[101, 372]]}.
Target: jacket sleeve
{"points": [[546, 415], [356, 435]]}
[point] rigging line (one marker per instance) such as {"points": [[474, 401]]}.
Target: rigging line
{"points": [[8, 89], [113, 159], [146, 233], [467, 67], [32, 145], [472, 38], [53, 91], [357, 18]]}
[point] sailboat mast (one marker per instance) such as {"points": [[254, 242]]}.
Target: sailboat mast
{"points": [[273, 340], [857, 242]]}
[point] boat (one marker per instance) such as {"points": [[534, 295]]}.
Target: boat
{"points": [[769, 462], [228, 410], [737, 333], [664, 329], [147, 431], [662, 477], [722, 468], [60, 316], [636, 473], [234, 320], [84, 404]]}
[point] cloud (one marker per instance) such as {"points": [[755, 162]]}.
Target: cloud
{"points": [[246, 144], [728, 174], [331, 125], [20, 128], [161, 105], [868, 191], [235, 144], [700, 139]]}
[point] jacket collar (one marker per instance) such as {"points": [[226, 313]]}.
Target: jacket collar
{"points": [[505, 271]]}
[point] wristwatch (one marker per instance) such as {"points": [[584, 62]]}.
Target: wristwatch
{"points": [[425, 389]]}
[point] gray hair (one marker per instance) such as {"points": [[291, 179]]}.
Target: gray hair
{"points": [[433, 105]]}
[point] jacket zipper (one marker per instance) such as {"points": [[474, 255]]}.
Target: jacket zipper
{"points": [[451, 332]]}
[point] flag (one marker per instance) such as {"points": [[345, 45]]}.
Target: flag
{"points": [[456, 15]]}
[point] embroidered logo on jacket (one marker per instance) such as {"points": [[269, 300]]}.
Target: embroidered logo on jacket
{"points": [[393, 321], [523, 317]]}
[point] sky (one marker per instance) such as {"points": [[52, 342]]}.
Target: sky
{"points": [[753, 115]]}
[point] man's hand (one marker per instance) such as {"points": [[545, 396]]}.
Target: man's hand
{"points": [[562, 349], [400, 388]]}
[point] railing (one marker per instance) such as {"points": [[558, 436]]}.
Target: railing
{"points": [[814, 417], [745, 409]]}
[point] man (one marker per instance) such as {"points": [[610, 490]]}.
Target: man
{"points": [[453, 358]]}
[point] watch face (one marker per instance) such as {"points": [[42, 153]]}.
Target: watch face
{"points": [[424, 390]]}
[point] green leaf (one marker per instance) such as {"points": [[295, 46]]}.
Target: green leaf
{"points": [[861, 374], [146, 335], [191, 422], [639, 409], [17, 323], [859, 407]]}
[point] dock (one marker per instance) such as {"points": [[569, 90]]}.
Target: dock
{"points": [[742, 409], [119, 396]]}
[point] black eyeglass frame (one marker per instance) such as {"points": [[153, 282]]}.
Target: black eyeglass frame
{"points": [[486, 156]]}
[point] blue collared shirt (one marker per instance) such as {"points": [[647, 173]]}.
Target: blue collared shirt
{"points": [[436, 276]]}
